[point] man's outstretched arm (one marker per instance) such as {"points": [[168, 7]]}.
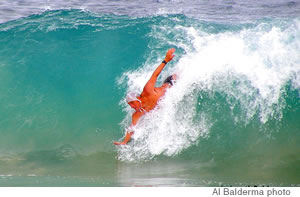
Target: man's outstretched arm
{"points": [[151, 83]]}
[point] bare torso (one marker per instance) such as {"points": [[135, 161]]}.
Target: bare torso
{"points": [[150, 99]]}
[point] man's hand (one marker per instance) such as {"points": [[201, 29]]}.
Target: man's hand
{"points": [[169, 55], [150, 85]]}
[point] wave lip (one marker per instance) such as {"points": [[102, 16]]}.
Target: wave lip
{"points": [[229, 11]]}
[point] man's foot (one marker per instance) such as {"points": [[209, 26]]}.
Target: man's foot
{"points": [[119, 143]]}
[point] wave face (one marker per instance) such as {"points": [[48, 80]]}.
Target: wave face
{"points": [[64, 75], [58, 78]]}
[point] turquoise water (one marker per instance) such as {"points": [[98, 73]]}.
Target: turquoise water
{"points": [[232, 118]]}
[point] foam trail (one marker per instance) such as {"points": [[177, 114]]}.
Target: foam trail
{"points": [[249, 67]]}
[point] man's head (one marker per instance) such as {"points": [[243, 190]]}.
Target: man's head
{"points": [[171, 79], [133, 101]]}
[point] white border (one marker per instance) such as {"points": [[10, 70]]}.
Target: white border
{"points": [[144, 191]]}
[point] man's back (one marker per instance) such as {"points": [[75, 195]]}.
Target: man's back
{"points": [[150, 98]]}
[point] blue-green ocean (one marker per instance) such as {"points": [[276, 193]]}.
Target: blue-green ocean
{"points": [[231, 119]]}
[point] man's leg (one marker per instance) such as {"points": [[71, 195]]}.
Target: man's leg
{"points": [[127, 138]]}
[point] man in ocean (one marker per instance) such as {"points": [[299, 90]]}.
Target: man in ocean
{"points": [[150, 96]]}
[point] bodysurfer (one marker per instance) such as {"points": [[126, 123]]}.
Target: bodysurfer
{"points": [[150, 96]]}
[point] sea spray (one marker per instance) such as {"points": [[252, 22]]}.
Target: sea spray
{"points": [[249, 69]]}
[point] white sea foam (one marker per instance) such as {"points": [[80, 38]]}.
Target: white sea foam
{"points": [[260, 61]]}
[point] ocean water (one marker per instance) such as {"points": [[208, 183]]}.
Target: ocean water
{"points": [[231, 119]]}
